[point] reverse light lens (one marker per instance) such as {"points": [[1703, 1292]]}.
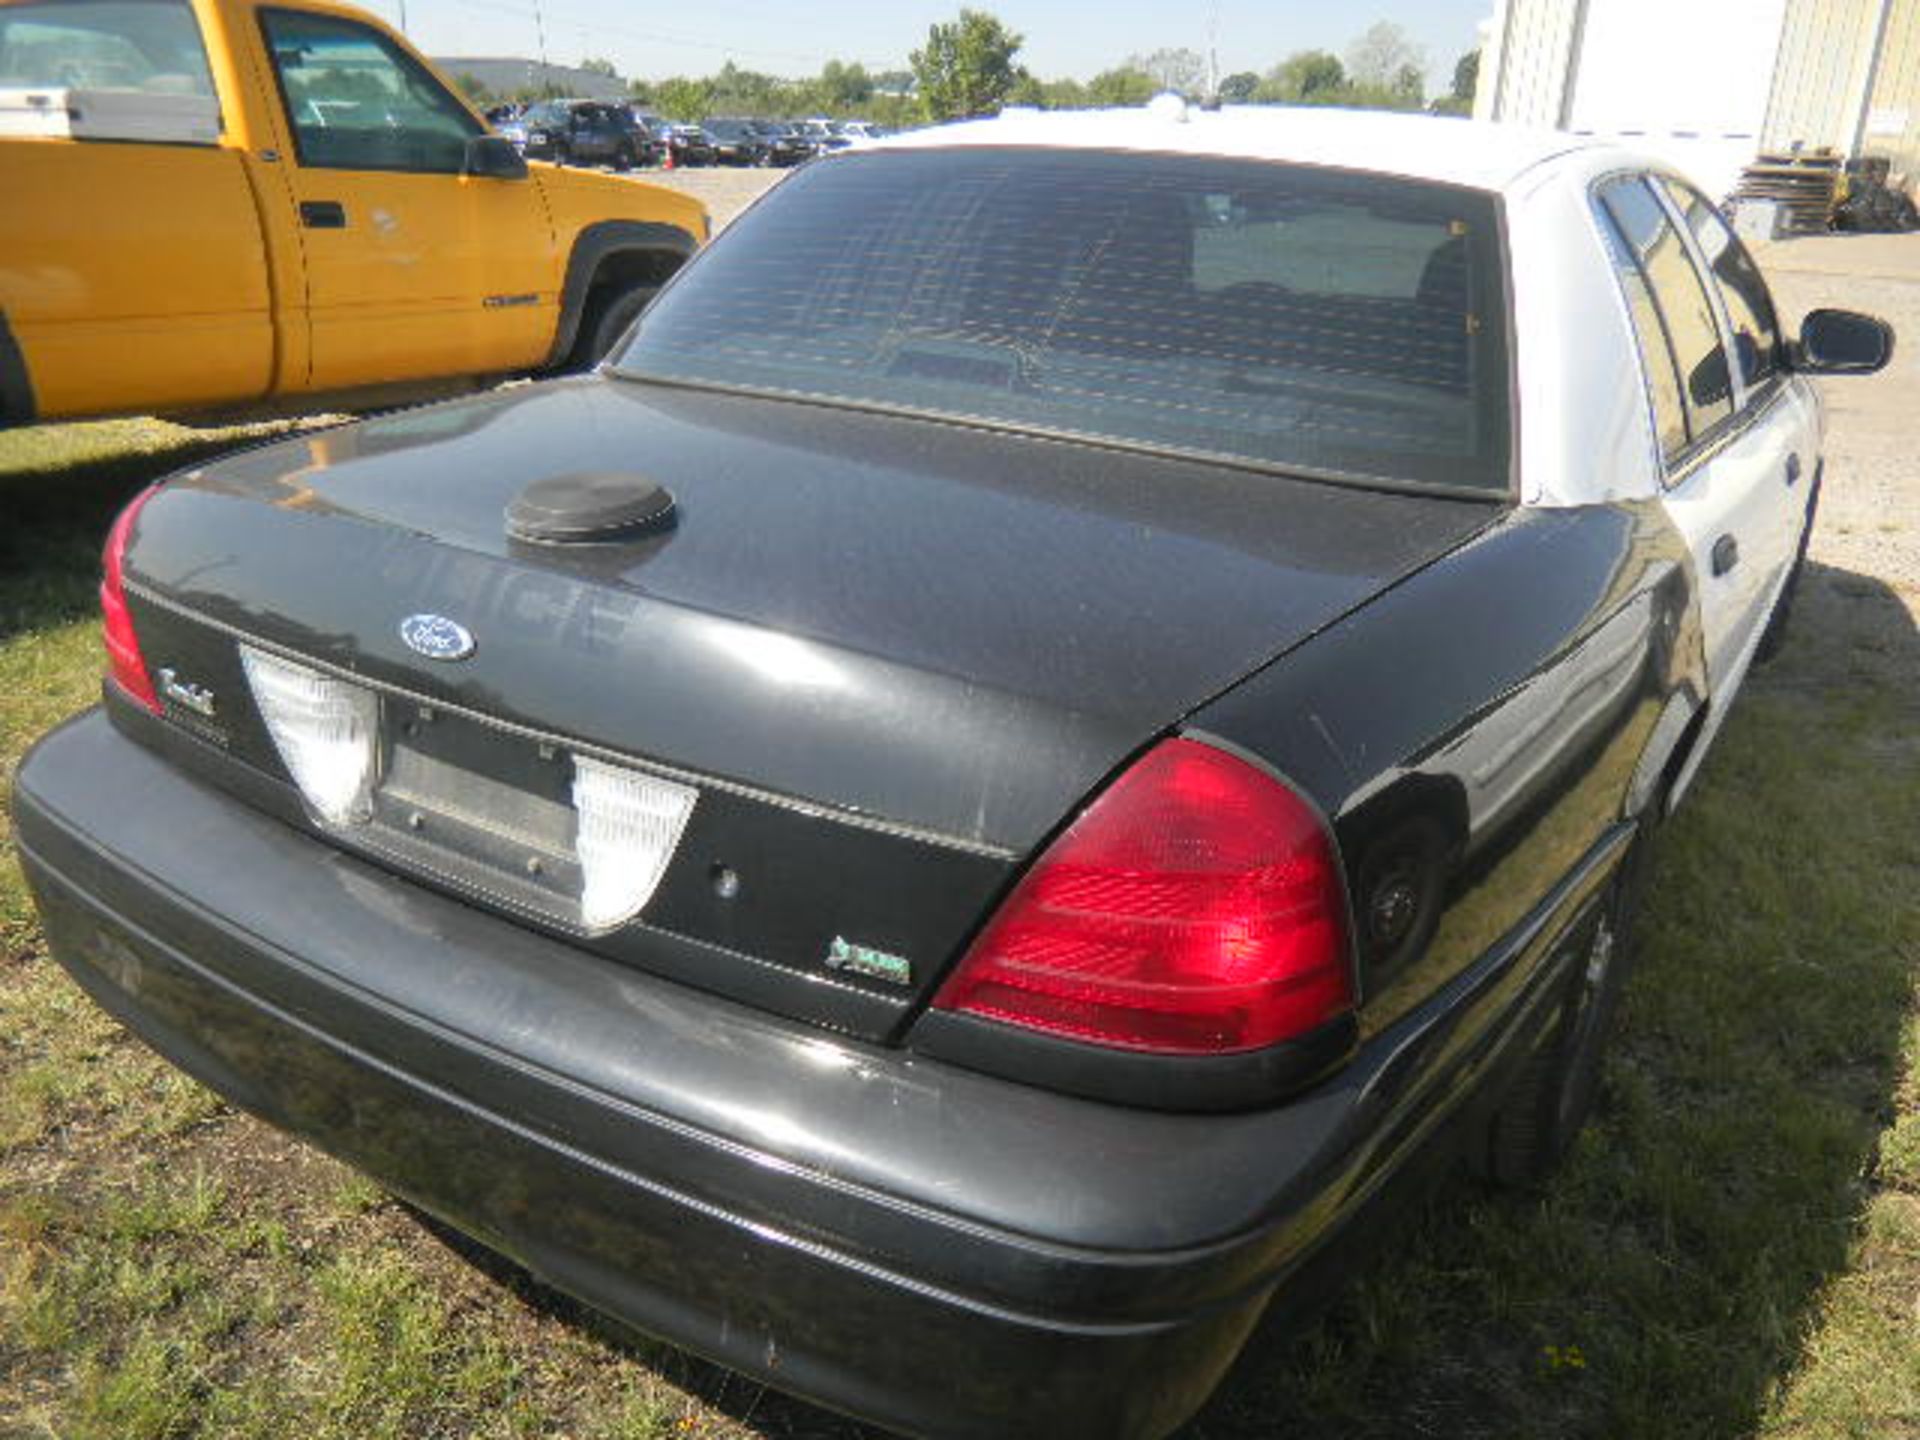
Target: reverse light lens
{"points": [[629, 827], [326, 730], [1196, 907], [124, 661]]}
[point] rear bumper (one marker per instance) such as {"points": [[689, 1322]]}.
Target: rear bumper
{"points": [[935, 1250], [858, 1299]]}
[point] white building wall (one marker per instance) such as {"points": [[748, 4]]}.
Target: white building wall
{"points": [[1821, 84], [1892, 125], [1532, 45], [1689, 82]]}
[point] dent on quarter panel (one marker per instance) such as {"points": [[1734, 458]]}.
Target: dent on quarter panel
{"points": [[1578, 623]]}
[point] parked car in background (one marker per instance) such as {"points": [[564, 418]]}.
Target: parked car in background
{"points": [[861, 132], [583, 132], [1081, 693], [822, 134], [738, 142], [784, 146], [229, 209], [690, 143]]}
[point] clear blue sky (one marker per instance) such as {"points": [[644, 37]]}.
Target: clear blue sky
{"points": [[795, 37]]}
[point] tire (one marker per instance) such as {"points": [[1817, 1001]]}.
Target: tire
{"points": [[562, 154], [1537, 1122], [606, 320], [623, 158]]}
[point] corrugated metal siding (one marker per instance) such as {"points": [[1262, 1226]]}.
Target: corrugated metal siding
{"points": [[1820, 79], [1896, 92], [1535, 40]]}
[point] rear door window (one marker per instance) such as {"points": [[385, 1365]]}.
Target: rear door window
{"points": [[1756, 331], [1662, 371], [1680, 295], [1304, 317]]}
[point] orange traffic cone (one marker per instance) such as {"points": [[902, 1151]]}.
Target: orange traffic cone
{"points": [[666, 162]]}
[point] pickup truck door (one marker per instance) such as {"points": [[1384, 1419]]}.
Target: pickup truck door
{"points": [[413, 268], [133, 272], [1735, 451]]}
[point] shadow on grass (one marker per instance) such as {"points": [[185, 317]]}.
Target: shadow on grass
{"points": [[60, 487], [1667, 1284]]}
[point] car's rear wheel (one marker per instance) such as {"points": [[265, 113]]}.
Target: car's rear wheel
{"points": [[1537, 1122], [623, 158]]}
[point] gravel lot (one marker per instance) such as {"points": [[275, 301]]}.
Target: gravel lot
{"points": [[1861, 602], [727, 191]]}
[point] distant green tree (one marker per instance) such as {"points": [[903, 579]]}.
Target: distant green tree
{"points": [[1381, 55], [1410, 84], [1305, 75], [1466, 79], [594, 65], [844, 88], [966, 67], [1181, 70], [1466, 76], [640, 90], [1239, 87], [1124, 86], [1027, 89], [1066, 94], [684, 99]]}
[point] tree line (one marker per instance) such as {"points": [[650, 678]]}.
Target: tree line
{"points": [[969, 67]]}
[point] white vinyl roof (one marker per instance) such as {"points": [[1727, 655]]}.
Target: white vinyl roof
{"points": [[1460, 152]]}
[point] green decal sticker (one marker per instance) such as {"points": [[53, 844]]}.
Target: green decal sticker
{"points": [[864, 960]]}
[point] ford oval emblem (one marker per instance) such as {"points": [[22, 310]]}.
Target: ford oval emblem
{"points": [[436, 637]]}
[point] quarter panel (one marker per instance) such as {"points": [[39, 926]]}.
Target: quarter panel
{"points": [[1586, 435], [1502, 699]]}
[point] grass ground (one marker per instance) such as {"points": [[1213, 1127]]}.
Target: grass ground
{"points": [[1734, 1250]]}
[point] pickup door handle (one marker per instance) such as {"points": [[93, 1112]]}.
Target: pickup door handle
{"points": [[1726, 554], [323, 215], [1793, 468]]}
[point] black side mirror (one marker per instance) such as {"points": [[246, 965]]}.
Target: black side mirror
{"points": [[1843, 342], [492, 157]]}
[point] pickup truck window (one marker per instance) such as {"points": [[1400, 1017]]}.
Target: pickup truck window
{"points": [[356, 102], [1296, 317], [151, 47]]}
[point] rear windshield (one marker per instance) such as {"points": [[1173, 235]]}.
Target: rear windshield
{"points": [[1311, 319]]}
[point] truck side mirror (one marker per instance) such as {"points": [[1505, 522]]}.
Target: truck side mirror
{"points": [[492, 157], [1842, 342]]}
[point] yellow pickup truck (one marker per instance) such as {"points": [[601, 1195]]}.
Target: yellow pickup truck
{"points": [[222, 207]]}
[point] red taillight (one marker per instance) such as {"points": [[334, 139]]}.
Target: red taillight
{"points": [[124, 662], [1196, 907]]}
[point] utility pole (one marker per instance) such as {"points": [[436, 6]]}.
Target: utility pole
{"points": [[1213, 53]]}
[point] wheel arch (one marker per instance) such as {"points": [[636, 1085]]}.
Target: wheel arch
{"points": [[613, 254]]}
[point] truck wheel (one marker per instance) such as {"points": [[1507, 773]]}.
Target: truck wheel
{"points": [[1537, 1122], [607, 318], [623, 158]]}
